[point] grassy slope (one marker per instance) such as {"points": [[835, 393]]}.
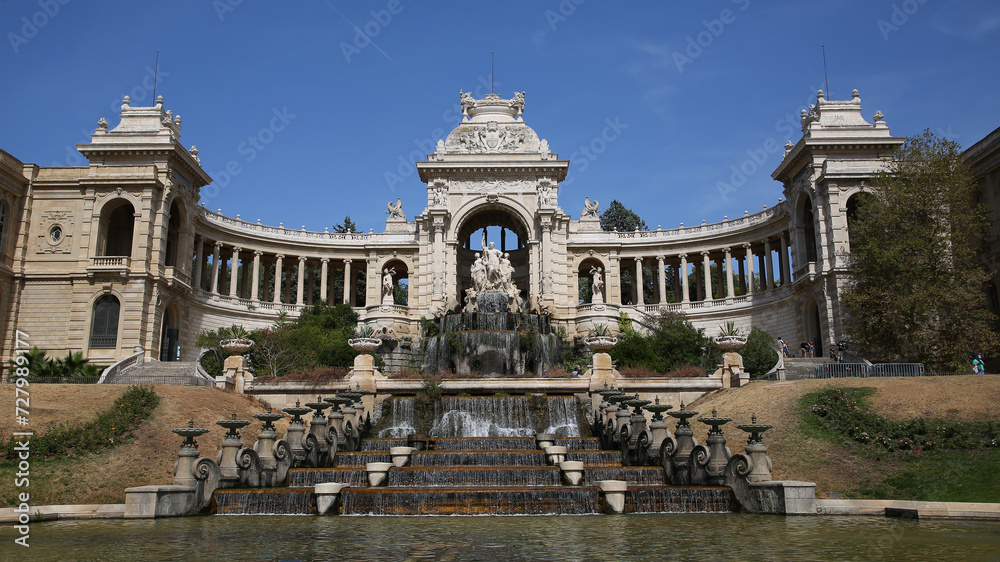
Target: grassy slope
{"points": [[804, 450], [148, 458], [800, 450]]}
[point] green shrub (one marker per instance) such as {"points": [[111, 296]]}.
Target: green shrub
{"points": [[759, 354]]}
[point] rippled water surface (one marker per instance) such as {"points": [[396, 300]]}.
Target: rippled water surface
{"points": [[603, 537]]}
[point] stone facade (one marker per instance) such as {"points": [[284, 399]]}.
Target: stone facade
{"points": [[118, 253]]}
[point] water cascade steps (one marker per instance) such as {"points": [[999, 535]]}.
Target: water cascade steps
{"points": [[463, 473]]}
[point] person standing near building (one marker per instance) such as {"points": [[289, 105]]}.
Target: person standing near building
{"points": [[782, 348]]}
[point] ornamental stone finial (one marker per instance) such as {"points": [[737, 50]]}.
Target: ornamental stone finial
{"points": [[878, 116], [102, 123]]}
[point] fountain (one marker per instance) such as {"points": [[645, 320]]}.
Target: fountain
{"points": [[493, 341], [275, 454], [714, 458], [635, 436], [675, 455], [657, 428], [321, 442]]}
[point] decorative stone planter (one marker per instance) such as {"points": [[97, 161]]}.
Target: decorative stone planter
{"points": [[378, 473], [545, 440], [401, 455], [614, 494], [572, 472], [730, 343], [326, 495], [364, 345], [600, 343], [236, 346]]}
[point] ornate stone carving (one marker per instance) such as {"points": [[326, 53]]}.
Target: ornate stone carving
{"points": [[590, 209], [495, 184], [395, 210], [57, 233]]}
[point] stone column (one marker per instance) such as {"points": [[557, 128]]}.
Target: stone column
{"points": [[768, 266], [199, 248], [639, 299], [348, 285], [730, 291], [234, 271], [750, 283], [546, 277], [324, 271], [662, 282], [438, 267], [215, 268], [708, 275], [256, 274], [278, 273], [786, 276], [300, 293], [683, 274]]}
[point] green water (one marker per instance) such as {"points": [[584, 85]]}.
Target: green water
{"points": [[601, 537]]}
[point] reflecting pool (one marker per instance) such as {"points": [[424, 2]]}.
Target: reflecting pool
{"points": [[602, 537]]}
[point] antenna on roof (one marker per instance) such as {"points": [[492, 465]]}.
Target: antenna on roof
{"points": [[156, 71], [492, 90], [825, 77]]}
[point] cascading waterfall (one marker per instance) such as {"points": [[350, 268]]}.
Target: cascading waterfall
{"points": [[492, 343], [664, 499], [634, 475], [488, 416], [402, 422], [483, 443], [312, 476], [473, 501], [273, 501], [479, 476], [478, 458], [563, 416]]}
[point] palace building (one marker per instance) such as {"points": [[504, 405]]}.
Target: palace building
{"points": [[118, 254]]}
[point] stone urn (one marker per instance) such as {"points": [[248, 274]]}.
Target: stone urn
{"points": [[364, 345], [600, 343], [236, 346], [730, 343]]}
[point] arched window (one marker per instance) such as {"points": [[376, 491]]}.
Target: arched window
{"points": [[809, 225], [116, 230], [173, 234], [104, 327]]}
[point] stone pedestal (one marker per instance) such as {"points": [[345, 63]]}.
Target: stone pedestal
{"points": [[378, 473], [602, 375], [572, 472], [401, 455], [326, 495], [363, 377], [614, 494], [235, 368], [732, 371], [784, 497]]}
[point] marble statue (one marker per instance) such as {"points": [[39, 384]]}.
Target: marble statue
{"points": [[478, 274], [387, 283], [590, 209], [395, 210]]}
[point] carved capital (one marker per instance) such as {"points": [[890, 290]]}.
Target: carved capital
{"points": [[302, 259], [325, 261], [660, 259], [747, 245], [218, 246], [280, 256], [347, 262], [682, 256], [258, 253]]}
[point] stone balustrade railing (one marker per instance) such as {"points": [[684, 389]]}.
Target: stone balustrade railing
{"points": [[727, 226]]}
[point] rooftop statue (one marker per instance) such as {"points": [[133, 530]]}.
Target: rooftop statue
{"points": [[395, 210], [589, 209]]}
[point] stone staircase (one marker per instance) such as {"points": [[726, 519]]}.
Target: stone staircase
{"points": [[166, 372], [798, 368]]}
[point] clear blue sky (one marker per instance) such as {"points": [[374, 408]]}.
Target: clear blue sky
{"points": [[358, 108]]}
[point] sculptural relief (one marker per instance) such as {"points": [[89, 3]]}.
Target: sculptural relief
{"points": [[590, 209], [395, 210]]}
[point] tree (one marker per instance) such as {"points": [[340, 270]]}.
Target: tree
{"points": [[672, 343], [759, 354], [347, 226], [620, 218], [917, 293]]}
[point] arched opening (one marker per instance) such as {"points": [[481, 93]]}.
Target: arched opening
{"points": [[500, 228], [173, 235], [396, 283], [170, 340], [592, 276], [809, 231], [854, 205], [117, 223], [104, 324]]}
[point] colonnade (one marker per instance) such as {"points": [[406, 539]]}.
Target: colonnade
{"points": [[738, 270], [258, 276]]}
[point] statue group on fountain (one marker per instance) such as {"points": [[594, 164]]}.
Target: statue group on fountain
{"points": [[492, 271]]}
